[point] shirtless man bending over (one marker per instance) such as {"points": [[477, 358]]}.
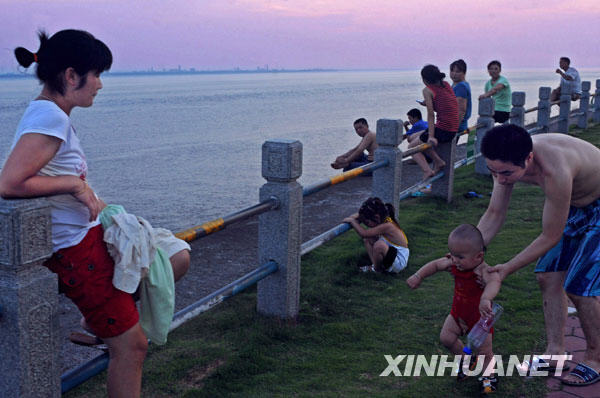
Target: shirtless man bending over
{"points": [[567, 169], [356, 157]]}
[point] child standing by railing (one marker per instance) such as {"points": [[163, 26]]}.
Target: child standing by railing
{"points": [[384, 240], [471, 301]]}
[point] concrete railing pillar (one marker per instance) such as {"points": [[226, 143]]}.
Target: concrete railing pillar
{"points": [[280, 230], [444, 187], [565, 108], [485, 122], [597, 102], [29, 326], [387, 180], [584, 105], [543, 113], [517, 113]]}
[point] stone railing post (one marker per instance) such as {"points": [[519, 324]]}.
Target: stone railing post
{"points": [[387, 180], [597, 102], [29, 326], [543, 113], [517, 113], [565, 108], [280, 230], [584, 105], [444, 187], [485, 122]]}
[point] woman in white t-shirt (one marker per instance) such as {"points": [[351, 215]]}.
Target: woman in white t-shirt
{"points": [[46, 159]]}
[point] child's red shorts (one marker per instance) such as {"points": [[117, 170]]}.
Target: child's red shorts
{"points": [[85, 273]]}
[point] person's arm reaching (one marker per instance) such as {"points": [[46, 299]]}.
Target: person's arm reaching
{"points": [[462, 108], [493, 218], [498, 87], [428, 95], [492, 287], [554, 218], [440, 264]]}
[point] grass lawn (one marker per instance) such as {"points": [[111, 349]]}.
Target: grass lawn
{"points": [[349, 320]]}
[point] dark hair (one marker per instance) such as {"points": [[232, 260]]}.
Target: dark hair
{"points": [[494, 62], [432, 75], [507, 143], [566, 59], [460, 65], [470, 233], [375, 206], [68, 48], [414, 112], [362, 120]]}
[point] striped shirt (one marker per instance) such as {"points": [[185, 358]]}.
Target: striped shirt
{"points": [[445, 107]]}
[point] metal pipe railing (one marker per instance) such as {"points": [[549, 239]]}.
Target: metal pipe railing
{"points": [[218, 224], [326, 236], [345, 176], [75, 377], [218, 296], [535, 108], [91, 368]]}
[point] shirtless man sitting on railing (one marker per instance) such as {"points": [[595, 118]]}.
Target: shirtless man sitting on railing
{"points": [[356, 156]]}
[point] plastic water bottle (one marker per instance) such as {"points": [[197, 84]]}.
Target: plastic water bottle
{"points": [[479, 332]]}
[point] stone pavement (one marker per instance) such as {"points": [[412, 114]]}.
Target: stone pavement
{"points": [[575, 345]]}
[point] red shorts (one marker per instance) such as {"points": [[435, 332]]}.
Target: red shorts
{"points": [[85, 273]]}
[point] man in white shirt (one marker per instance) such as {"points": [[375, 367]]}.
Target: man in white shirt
{"points": [[570, 80]]}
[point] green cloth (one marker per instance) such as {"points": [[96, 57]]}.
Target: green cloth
{"points": [[157, 298], [503, 98], [157, 290]]}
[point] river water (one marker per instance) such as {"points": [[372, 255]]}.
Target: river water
{"points": [[183, 149]]}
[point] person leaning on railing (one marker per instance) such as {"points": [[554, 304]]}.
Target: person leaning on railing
{"points": [[47, 159], [569, 79], [499, 89]]}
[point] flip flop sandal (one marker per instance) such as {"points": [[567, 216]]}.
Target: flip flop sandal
{"points": [[85, 339], [585, 373], [542, 365]]}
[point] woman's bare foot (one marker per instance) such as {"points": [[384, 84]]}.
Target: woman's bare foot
{"points": [[439, 167], [428, 174]]}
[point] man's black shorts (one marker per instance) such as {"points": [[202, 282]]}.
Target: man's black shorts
{"points": [[440, 135], [501, 117]]}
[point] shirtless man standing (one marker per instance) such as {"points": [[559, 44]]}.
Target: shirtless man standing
{"points": [[567, 169], [356, 157]]}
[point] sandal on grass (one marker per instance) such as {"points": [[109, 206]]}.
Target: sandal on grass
{"points": [[488, 384], [585, 373]]}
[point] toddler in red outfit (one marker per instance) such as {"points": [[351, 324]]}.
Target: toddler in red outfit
{"points": [[471, 301]]}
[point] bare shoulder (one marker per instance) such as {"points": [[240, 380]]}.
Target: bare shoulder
{"points": [[369, 137], [565, 148], [564, 157]]}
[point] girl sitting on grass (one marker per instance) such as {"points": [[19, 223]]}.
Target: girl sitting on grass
{"points": [[385, 242]]}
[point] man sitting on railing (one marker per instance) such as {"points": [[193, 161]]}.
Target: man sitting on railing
{"points": [[570, 80], [356, 156], [566, 169]]}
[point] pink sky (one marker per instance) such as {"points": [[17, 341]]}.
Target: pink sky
{"points": [[399, 34]]}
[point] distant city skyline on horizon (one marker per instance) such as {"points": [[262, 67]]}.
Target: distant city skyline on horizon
{"points": [[315, 34]]}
